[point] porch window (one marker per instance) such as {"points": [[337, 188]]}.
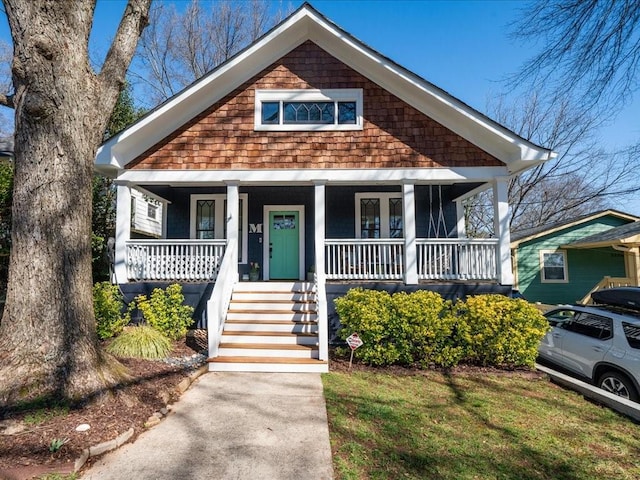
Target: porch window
{"points": [[303, 110], [553, 266], [379, 215], [208, 215], [205, 219]]}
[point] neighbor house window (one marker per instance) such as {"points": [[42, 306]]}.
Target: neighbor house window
{"points": [[553, 266], [288, 110], [379, 215], [152, 211], [208, 215]]}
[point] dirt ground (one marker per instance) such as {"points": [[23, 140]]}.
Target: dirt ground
{"points": [[25, 437]]}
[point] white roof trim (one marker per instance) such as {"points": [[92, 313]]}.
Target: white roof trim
{"points": [[336, 176], [307, 24]]}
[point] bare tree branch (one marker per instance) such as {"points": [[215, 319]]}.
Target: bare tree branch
{"points": [[589, 47], [134, 20], [582, 178], [178, 48]]}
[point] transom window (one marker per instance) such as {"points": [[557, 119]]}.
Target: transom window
{"points": [[379, 215], [334, 109], [553, 266], [208, 214]]}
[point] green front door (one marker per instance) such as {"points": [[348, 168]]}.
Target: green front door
{"points": [[284, 245]]}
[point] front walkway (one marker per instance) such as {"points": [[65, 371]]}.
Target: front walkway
{"points": [[233, 426]]}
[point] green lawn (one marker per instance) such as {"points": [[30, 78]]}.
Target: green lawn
{"points": [[473, 426]]}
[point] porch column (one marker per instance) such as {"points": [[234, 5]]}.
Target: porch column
{"points": [[410, 249], [319, 228], [233, 212], [501, 227], [461, 226], [319, 238], [123, 231]]}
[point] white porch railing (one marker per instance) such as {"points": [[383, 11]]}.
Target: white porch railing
{"points": [[457, 259], [364, 259], [218, 304], [174, 260]]}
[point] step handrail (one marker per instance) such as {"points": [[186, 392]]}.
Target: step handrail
{"points": [[218, 303], [319, 285]]}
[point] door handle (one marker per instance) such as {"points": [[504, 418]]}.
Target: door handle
{"points": [[597, 348]]}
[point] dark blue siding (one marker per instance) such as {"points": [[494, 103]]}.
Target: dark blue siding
{"points": [[429, 223], [340, 211], [259, 197]]}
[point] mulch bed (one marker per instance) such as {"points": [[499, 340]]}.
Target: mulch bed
{"points": [[26, 453]]}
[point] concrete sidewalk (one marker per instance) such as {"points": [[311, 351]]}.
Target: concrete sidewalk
{"points": [[232, 426]]}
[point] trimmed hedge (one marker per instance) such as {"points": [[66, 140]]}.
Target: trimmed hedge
{"points": [[423, 329], [500, 331]]}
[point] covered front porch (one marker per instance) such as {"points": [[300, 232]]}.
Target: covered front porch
{"points": [[310, 234], [407, 233]]}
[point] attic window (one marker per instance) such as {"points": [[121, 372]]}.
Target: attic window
{"points": [[308, 110]]}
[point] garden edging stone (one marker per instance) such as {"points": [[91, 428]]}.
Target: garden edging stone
{"points": [[121, 439]]}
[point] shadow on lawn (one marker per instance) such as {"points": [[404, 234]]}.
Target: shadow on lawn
{"points": [[413, 439]]}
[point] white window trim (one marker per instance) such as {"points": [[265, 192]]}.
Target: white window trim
{"points": [[308, 95], [219, 199], [565, 267], [384, 198]]}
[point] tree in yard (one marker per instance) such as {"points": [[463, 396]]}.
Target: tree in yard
{"points": [[586, 69], [581, 179], [180, 47], [48, 341]]}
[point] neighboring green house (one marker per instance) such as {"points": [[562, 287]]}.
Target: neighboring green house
{"points": [[552, 263]]}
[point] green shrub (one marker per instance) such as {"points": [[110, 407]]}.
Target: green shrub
{"points": [[368, 313], [401, 328], [166, 312], [108, 305], [423, 328], [141, 341], [500, 331]]}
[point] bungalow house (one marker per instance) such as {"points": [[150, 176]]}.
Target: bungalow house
{"points": [[309, 155], [565, 261]]}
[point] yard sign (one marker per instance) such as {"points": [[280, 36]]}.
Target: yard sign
{"points": [[354, 341]]}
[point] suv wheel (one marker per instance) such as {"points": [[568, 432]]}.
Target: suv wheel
{"points": [[618, 384]]}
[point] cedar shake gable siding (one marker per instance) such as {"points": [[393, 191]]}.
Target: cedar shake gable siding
{"points": [[394, 134]]}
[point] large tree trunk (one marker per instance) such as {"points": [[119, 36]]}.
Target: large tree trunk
{"points": [[48, 340]]}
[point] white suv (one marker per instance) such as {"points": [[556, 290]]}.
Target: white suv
{"points": [[601, 343]]}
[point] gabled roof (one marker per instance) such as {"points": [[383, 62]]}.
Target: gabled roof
{"points": [[305, 24], [624, 235], [525, 235]]}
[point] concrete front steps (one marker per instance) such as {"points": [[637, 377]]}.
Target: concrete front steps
{"points": [[270, 327]]}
